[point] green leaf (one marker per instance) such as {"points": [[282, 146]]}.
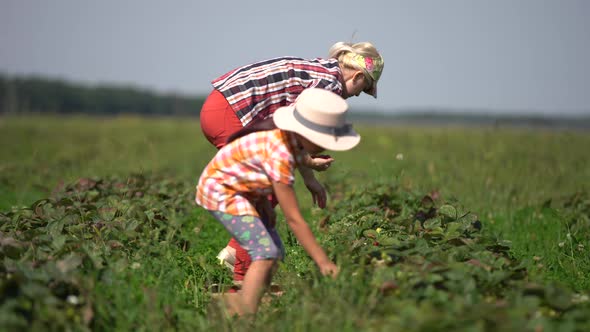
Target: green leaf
{"points": [[558, 297], [448, 211]]}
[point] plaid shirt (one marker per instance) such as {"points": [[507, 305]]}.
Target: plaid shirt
{"points": [[255, 91], [244, 170]]}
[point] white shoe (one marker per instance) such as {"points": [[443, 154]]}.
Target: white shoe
{"points": [[227, 257]]}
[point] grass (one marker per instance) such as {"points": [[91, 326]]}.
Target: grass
{"points": [[503, 175]]}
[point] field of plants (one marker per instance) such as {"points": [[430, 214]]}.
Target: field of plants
{"points": [[434, 229]]}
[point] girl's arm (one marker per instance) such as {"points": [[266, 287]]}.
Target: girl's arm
{"points": [[286, 196]]}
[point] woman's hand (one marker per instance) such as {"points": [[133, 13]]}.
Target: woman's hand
{"points": [[320, 162], [318, 193]]}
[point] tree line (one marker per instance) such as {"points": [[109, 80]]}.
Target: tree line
{"points": [[34, 94]]}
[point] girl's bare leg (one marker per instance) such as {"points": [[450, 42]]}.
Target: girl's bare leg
{"points": [[255, 282]]}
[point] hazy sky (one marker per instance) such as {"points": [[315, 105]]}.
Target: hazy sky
{"points": [[525, 55]]}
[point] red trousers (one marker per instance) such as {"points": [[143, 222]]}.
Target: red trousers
{"points": [[218, 119], [218, 122]]}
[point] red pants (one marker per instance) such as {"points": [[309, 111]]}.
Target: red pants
{"points": [[218, 122], [218, 119]]}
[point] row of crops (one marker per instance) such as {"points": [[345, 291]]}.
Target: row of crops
{"points": [[410, 261]]}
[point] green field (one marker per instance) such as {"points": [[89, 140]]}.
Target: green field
{"points": [[100, 232]]}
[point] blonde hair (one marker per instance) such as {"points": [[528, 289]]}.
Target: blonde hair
{"points": [[344, 52]]}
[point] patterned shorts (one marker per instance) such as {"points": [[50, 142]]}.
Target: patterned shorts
{"points": [[253, 234]]}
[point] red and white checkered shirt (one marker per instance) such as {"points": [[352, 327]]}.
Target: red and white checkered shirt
{"points": [[255, 91], [244, 170]]}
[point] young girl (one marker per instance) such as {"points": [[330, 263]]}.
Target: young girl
{"points": [[250, 167], [251, 93]]}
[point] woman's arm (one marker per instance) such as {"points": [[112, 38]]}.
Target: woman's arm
{"points": [[319, 162], [318, 193], [288, 201]]}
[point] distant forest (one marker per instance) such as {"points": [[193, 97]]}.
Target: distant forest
{"points": [[22, 95], [38, 95]]}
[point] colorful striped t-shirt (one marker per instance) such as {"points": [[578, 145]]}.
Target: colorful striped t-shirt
{"points": [[245, 169], [255, 91]]}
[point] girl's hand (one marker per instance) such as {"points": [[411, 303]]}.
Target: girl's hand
{"points": [[318, 193], [319, 163], [329, 269], [288, 202]]}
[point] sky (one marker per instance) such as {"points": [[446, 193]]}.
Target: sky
{"points": [[503, 56]]}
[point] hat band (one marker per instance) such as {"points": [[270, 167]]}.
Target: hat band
{"points": [[328, 130]]}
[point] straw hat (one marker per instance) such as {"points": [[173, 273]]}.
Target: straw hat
{"points": [[320, 116]]}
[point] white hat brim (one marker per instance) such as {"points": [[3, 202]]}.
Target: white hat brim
{"points": [[284, 119]]}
